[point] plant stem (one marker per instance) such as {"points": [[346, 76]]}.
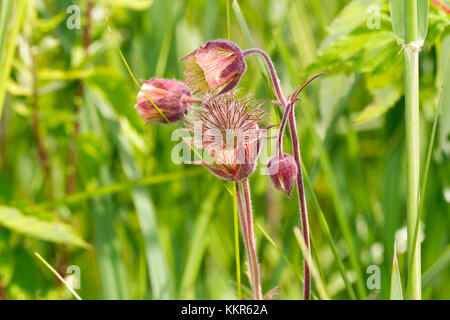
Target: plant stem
{"points": [[411, 55], [272, 71], [256, 279], [302, 204], [296, 149], [246, 218]]}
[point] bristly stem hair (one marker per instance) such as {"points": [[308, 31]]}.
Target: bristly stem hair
{"points": [[246, 219], [289, 114]]}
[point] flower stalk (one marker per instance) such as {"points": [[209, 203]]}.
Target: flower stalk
{"points": [[296, 149]]}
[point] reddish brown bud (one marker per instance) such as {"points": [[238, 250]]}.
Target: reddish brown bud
{"points": [[172, 97], [283, 172], [217, 63]]}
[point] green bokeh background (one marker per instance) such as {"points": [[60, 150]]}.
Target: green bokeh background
{"points": [[140, 226]]}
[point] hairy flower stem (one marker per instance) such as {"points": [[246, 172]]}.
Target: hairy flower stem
{"points": [[296, 149], [246, 218]]}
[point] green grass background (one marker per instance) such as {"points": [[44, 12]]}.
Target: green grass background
{"points": [[139, 226]]}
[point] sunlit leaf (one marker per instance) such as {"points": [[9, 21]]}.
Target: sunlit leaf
{"points": [[15, 220], [396, 283]]}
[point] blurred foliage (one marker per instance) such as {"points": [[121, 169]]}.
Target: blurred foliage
{"points": [[142, 227]]}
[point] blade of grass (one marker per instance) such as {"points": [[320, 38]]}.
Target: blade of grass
{"points": [[113, 279], [324, 160], [244, 26], [5, 13], [118, 187], [236, 244], [438, 266], [396, 282], [111, 267], [326, 166], [283, 256], [325, 228], [321, 288], [198, 243], [157, 266], [6, 60], [58, 276]]}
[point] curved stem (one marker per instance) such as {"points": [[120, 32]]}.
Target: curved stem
{"points": [[282, 128], [273, 73], [254, 266], [296, 149], [302, 205]]}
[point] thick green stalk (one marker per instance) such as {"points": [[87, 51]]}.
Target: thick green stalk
{"points": [[411, 55]]}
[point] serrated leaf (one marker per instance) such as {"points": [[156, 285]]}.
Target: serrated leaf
{"points": [[385, 98], [353, 15], [396, 282], [15, 220], [357, 50]]}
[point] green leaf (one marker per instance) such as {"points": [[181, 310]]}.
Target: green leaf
{"points": [[365, 51], [15, 220], [197, 244], [352, 16], [397, 8], [444, 105], [438, 266], [10, 47], [396, 282], [145, 209], [384, 99]]}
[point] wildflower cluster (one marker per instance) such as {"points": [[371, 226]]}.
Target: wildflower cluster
{"points": [[229, 130]]}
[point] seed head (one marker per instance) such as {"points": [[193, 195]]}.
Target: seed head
{"points": [[217, 63], [227, 128], [170, 96]]}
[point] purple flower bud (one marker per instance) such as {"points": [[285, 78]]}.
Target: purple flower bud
{"points": [[283, 172], [217, 63], [172, 97]]}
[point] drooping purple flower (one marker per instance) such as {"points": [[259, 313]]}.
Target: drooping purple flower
{"points": [[227, 128], [214, 65], [283, 172], [172, 97]]}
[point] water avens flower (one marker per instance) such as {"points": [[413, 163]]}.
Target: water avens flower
{"points": [[214, 65], [172, 97], [283, 172], [227, 128]]}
